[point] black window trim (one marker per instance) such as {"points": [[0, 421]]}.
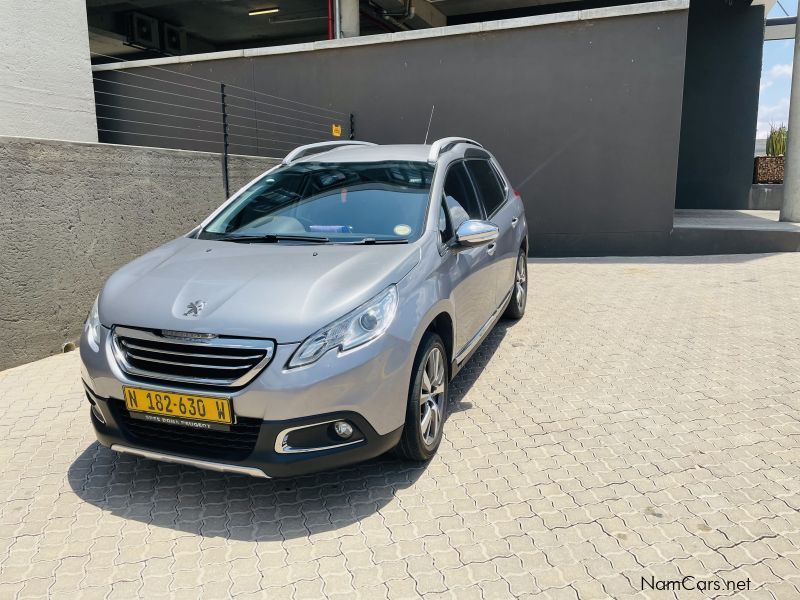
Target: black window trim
{"points": [[446, 245], [471, 182], [500, 179]]}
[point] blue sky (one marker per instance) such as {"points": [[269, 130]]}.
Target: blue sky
{"points": [[776, 76]]}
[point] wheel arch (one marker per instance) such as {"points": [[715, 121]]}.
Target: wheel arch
{"points": [[441, 321], [442, 324]]}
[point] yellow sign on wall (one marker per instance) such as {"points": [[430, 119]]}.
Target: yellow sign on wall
{"points": [[336, 130]]}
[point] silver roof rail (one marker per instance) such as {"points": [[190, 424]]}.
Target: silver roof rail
{"points": [[443, 145], [310, 149]]}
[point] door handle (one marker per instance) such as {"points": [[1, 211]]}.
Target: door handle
{"points": [[491, 248], [514, 221]]}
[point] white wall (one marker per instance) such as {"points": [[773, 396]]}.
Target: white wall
{"points": [[45, 72]]}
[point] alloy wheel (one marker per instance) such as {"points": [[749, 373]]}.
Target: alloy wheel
{"points": [[521, 282], [432, 396]]}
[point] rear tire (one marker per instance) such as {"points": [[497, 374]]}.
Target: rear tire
{"points": [[428, 393], [519, 294]]}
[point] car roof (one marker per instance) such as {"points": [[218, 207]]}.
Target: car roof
{"points": [[402, 152]]}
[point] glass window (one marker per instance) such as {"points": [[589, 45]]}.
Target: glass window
{"points": [[460, 196], [341, 201], [445, 230], [490, 189]]}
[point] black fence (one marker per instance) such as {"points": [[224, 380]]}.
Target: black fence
{"points": [[167, 108]]}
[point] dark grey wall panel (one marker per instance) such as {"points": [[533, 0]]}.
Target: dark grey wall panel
{"points": [[720, 106], [585, 116]]}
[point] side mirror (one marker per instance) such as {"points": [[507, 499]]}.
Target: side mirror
{"points": [[474, 233]]}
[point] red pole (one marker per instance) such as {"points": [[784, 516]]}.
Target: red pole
{"points": [[330, 19]]}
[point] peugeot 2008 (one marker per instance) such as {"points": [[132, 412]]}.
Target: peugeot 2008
{"points": [[316, 318]]}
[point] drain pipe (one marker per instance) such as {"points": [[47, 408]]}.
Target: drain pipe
{"points": [[337, 19], [334, 19]]}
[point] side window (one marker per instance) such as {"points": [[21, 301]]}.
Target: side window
{"points": [[460, 196], [491, 190]]}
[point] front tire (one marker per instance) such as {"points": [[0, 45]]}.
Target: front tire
{"points": [[427, 401], [519, 294]]}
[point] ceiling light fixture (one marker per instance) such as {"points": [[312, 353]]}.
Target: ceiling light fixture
{"points": [[263, 11]]}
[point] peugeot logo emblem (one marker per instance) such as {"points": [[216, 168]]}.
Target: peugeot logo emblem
{"points": [[194, 308]]}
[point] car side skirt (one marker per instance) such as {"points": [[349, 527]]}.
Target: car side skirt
{"points": [[469, 349]]}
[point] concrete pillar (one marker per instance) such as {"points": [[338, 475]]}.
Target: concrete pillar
{"points": [[791, 175], [349, 18], [45, 71]]}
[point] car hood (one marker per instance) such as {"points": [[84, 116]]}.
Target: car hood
{"points": [[280, 291]]}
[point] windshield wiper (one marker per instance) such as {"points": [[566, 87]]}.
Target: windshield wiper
{"points": [[370, 241], [272, 238]]}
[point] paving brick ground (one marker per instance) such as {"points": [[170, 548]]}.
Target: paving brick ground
{"points": [[641, 421]]}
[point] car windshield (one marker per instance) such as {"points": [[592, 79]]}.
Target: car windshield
{"points": [[337, 202]]}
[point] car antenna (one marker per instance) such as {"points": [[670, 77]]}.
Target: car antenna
{"points": [[427, 131]]}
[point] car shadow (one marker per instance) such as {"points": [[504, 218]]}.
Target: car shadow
{"points": [[238, 507], [471, 371]]}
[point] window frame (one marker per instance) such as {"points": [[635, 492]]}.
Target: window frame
{"points": [[500, 179], [479, 202]]}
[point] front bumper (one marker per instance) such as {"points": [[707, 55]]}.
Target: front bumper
{"points": [[367, 387], [254, 453]]}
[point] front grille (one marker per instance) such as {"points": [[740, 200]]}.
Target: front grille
{"points": [[202, 360], [236, 444]]}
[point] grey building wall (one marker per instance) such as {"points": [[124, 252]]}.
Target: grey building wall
{"points": [[45, 74], [583, 112], [70, 214], [765, 196], [720, 104]]}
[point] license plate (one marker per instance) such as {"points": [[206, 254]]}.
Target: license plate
{"points": [[180, 406]]}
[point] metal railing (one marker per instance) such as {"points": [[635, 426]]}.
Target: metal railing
{"points": [[157, 106]]}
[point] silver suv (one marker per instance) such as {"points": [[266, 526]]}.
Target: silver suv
{"points": [[316, 318]]}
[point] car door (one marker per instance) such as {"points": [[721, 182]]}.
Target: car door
{"points": [[470, 270], [493, 193]]}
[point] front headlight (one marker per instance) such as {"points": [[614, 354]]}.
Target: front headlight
{"points": [[92, 327], [368, 321]]}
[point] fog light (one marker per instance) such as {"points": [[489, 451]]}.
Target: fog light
{"points": [[343, 429], [98, 415]]}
